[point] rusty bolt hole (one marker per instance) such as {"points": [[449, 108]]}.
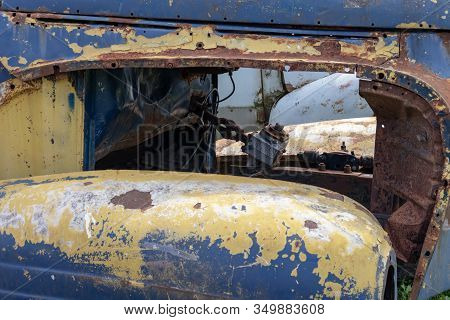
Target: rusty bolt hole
{"points": [[200, 45], [427, 253], [113, 65], [381, 76], [12, 86]]}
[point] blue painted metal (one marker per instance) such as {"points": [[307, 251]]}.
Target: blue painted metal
{"points": [[47, 273], [35, 43], [192, 267], [428, 49], [345, 13], [437, 278], [50, 44], [4, 74]]}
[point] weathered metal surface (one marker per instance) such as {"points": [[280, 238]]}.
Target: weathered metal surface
{"points": [[355, 185], [41, 127], [330, 98], [408, 171], [401, 58], [77, 46], [128, 234], [326, 136], [407, 195], [412, 14], [263, 93], [437, 277]]}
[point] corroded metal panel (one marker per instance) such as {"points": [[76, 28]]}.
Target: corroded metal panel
{"points": [[41, 127], [417, 14], [78, 46], [403, 59], [157, 234]]}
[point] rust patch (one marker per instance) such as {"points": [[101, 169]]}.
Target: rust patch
{"points": [[134, 199], [333, 195], [310, 224], [198, 205], [408, 164]]}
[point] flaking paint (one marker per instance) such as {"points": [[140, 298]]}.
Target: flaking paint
{"points": [[40, 131], [68, 210], [187, 38]]}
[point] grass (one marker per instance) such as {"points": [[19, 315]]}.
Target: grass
{"points": [[405, 286], [442, 296]]}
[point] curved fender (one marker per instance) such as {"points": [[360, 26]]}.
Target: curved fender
{"points": [[130, 234]]}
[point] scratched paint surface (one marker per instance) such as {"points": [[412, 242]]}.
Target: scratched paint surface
{"points": [[41, 128], [303, 240]]}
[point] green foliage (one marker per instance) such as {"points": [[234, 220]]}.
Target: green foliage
{"points": [[442, 296], [405, 286]]}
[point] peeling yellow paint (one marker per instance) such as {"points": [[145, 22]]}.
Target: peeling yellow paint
{"points": [[22, 60], [275, 211], [414, 25], [302, 257], [381, 49], [99, 32], [294, 272], [39, 132], [333, 290], [188, 39]]}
